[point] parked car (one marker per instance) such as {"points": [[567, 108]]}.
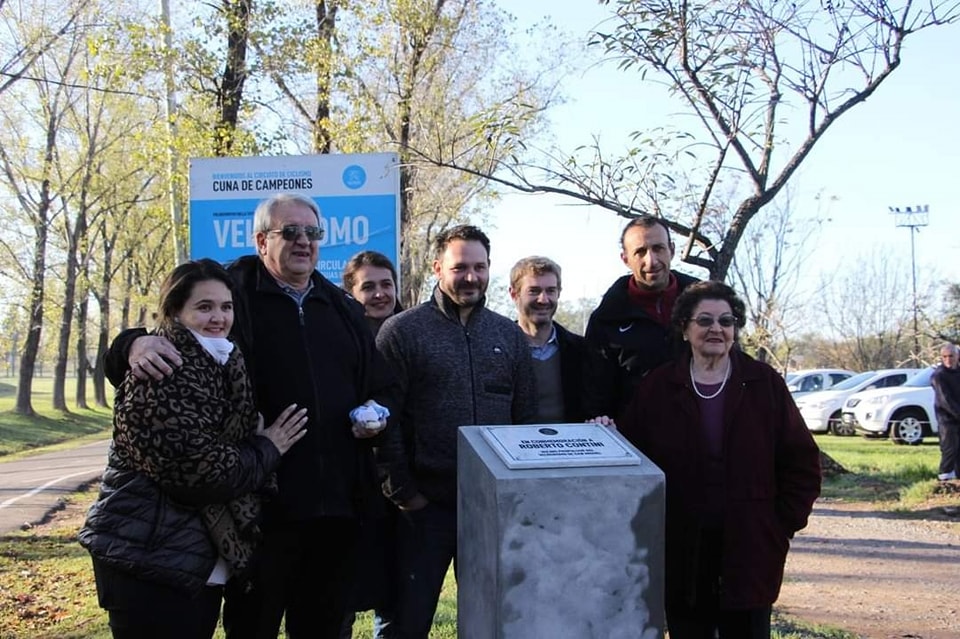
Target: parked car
{"points": [[905, 414], [821, 410], [815, 379]]}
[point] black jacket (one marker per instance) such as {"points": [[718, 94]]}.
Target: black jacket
{"points": [[946, 394], [623, 345], [572, 353], [138, 528], [319, 355]]}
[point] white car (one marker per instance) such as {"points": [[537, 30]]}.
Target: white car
{"points": [[821, 410], [815, 379], [905, 413]]}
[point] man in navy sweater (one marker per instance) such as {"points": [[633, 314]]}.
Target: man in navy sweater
{"points": [[457, 363]]}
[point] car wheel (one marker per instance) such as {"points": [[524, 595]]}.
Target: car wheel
{"points": [[837, 427], [907, 427]]}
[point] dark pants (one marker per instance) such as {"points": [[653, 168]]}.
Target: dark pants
{"points": [[427, 543], [698, 615], [949, 447], [303, 570], [725, 624], [376, 570], [141, 609]]}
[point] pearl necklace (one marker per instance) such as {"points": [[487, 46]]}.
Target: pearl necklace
{"points": [[726, 375]]}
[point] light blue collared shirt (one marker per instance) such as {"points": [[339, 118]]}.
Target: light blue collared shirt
{"points": [[549, 348]]}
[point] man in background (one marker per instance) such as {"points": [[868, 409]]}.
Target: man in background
{"points": [[946, 404], [556, 352], [629, 333]]}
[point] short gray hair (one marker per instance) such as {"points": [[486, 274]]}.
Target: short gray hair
{"points": [[951, 346], [263, 216]]}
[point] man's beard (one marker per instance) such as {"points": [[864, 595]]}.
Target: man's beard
{"points": [[461, 289], [540, 320]]}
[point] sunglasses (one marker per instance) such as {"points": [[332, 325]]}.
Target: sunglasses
{"points": [[291, 232], [706, 321]]}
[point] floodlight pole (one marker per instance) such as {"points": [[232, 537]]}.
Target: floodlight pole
{"points": [[913, 218]]}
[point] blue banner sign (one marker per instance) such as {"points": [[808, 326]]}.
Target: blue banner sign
{"points": [[358, 196]]}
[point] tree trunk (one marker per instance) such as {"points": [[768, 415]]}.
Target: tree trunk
{"points": [[66, 325], [230, 95], [31, 346], [125, 308], [829, 467], [103, 335], [326, 29], [103, 343], [82, 364]]}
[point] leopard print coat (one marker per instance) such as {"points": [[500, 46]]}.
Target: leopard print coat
{"points": [[187, 433]]}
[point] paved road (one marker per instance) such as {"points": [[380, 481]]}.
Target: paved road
{"points": [[31, 486]]}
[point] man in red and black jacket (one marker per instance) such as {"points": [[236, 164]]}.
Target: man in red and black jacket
{"points": [[629, 333]]}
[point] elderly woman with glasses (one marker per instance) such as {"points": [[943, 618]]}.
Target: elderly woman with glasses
{"points": [[742, 471]]}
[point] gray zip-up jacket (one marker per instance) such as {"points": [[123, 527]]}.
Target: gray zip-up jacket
{"points": [[450, 375]]}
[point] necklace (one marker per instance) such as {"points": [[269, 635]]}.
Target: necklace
{"points": [[726, 375]]}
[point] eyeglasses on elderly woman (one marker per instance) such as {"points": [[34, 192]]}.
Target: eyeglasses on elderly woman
{"points": [[706, 321]]}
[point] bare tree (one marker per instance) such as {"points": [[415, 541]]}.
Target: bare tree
{"points": [[867, 309], [27, 45], [416, 77], [31, 180], [762, 80], [429, 89], [766, 271]]}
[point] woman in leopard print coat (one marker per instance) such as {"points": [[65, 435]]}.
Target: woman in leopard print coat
{"points": [[180, 501]]}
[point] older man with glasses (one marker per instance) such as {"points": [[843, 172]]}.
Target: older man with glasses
{"points": [[307, 343], [946, 404]]}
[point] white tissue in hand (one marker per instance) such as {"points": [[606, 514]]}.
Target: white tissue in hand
{"points": [[368, 417]]}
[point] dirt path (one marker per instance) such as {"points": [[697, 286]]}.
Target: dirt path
{"points": [[875, 573]]}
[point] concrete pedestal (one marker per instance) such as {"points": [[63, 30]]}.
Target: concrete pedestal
{"points": [[557, 553]]}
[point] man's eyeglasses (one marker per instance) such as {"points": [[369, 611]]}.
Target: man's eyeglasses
{"points": [[706, 321], [291, 232]]}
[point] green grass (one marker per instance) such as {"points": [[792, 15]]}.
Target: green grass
{"points": [[46, 586], [881, 471], [790, 628], [19, 433]]}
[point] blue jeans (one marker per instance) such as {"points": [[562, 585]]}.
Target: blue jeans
{"points": [[427, 543]]}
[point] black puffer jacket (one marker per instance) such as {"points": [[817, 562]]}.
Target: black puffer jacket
{"points": [[135, 527], [170, 460]]}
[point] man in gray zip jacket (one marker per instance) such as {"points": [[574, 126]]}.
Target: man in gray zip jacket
{"points": [[458, 364]]}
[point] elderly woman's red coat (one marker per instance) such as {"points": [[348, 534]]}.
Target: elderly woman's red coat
{"points": [[772, 474]]}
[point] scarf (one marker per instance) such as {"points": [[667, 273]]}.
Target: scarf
{"points": [[658, 304]]}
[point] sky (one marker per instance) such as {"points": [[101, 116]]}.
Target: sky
{"points": [[900, 148]]}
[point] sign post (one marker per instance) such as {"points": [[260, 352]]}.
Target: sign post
{"points": [[358, 196]]}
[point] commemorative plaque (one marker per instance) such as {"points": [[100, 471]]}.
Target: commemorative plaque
{"points": [[558, 446]]}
